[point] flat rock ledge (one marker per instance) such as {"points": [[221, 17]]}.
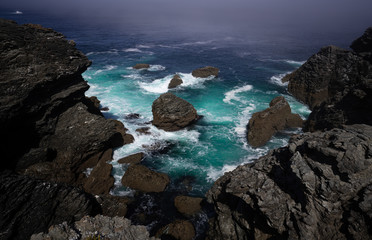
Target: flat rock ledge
{"points": [[205, 72], [318, 187], [172, 113], [141, 178], [98, 227], [263, 125]]}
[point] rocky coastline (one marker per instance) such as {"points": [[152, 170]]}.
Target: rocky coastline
{"points": [[316, 187]]}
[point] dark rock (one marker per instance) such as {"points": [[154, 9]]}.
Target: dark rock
{"points": [[160, 147], [263, 125], [144, 130], [114, 206], [128, 138], [172, 113], [176, 81], [205, 72], [132, 159], [95, 101], [98, 227], [143, 179], [141, 66], [363, 45], [188, 206], [104, 109], [30, 206], [180, 230], [132, 116], [318, 187]]}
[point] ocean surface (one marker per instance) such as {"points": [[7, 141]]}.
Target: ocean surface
{"points": [[251, 66]]}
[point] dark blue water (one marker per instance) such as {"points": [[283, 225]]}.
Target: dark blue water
{"points": [[251, 65]]}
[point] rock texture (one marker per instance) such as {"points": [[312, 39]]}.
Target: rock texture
{"points": [[141, 178], [99, 227], [318, 187], [263, 125], [132, 159], [180, 230], [172, 113], [336, 84], [176, 81], [50, 126], [205, 72], [188, 206], [30, 206], [141, 66]]}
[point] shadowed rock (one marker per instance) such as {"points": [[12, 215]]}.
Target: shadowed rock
{"points": [[205, 72], [172, 113], [188, 206], [176, 81], [363, 45], [180, 229], [143, 179], [263, 125], [132, 159]]}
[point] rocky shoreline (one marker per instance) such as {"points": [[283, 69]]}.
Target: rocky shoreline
{"points": [[316, 187]]}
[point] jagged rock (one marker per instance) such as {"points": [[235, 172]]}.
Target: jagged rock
{"points": [[318, 187], [143, 179], [363, 45], [180, 230], [159, 147], [172, 113], [95, 101], [113, 206], [132, 159], [141, 66], [144, 130], [176, 81], [98, 227], [205, 72], [132, 116], [263, 125], [30, 206], [104, 109], [188, 206]]}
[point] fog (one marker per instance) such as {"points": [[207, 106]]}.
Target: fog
{"points": [[210, 15]]}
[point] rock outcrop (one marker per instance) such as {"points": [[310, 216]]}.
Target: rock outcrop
{"points": [[143, 179], [188, 206], [51, 128], [318, 187], [141, 66], [176, 81], [172, 113], [363, 45], [205, 72], [98, 227], [30, 206], [180, 230], [263, 125]]}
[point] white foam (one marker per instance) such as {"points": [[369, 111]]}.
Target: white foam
{"points": [[155, 68], [297, 63], [112, 51], [277, 79], [132, 50], [132, 76], [143, 46], [243, 119], [105, 69], [17, 12], [231, 95]]}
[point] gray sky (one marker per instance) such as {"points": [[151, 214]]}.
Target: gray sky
{"points": [[206, 14]]}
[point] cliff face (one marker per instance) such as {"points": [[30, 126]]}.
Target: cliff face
{"points": [[48, 126]]}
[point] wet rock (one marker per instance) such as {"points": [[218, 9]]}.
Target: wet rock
{"points": [[132, 116], [104, 109], [188, 206], [176, 81], [263, 125], [98, 227], [144, 130], [143, 179], [160, 147], [141, 66], [302, 191], [205, 72], [172, 113], [95, 101], [30, 206], [132, 159], [180, 230]]}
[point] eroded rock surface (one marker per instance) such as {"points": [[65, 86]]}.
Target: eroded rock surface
{"points": [[318, 187], [176, 81], [141, 66], [205, 72], [263, 125], [172, 113]]}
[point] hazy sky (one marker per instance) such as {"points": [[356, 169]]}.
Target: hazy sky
{"points": [[204, 14]]}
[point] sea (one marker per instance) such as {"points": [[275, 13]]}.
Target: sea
{"points": [[252, 64]]}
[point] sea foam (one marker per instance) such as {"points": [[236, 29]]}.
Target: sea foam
{"points": [[277, 79], [231, 95]]}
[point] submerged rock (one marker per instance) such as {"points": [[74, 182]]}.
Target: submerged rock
{"points": [[205, 72], [143, 179], [263, 125], [98, 227], [144, 130], [176, 81], [172, 113], [318, 187], [141, 66]]}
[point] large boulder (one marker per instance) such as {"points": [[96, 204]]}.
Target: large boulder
{"points": [[30, 206], [143, 179], [318, 187], [263, 125], [180, 230], [188, 206], [205, 72], [176, 81], [172, 113], [98, 227]]}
